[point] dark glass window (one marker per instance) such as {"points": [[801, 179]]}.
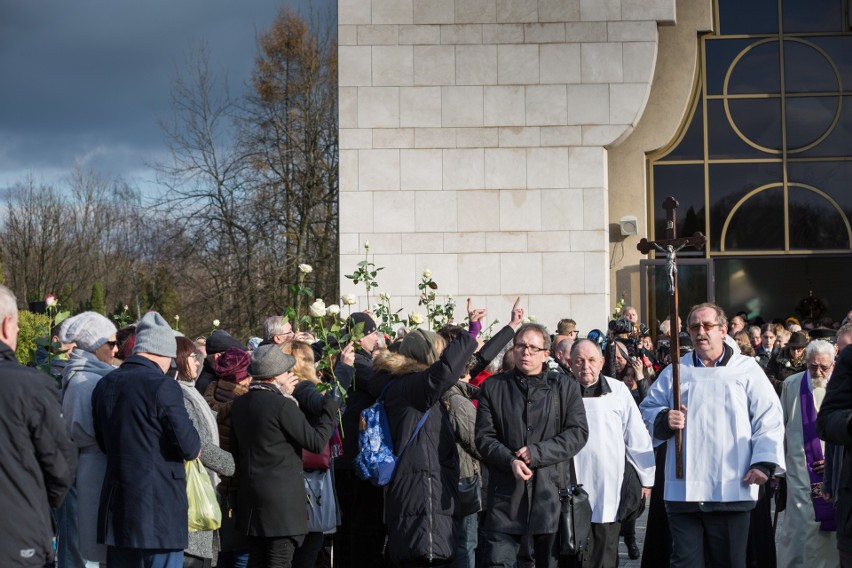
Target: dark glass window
{"points": [[758, 224], [813, 16], [686, 184], [691, 146], [731, 183], [752, 17], [814, 222]]}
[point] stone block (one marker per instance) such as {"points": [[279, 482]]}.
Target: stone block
{"points": [[548, 241], [347, 35], [475, 11], [601, 63], [378, 107], [378, 35], [354, 138], [378, 170], [479, 274], [558, 10], [422, 243], [476, 65], [478, 211], [520, 210], [434, 11], [464, 242], [393, 12], [639, 61], [355, 68], [561, 136], [347, 100], [590, 311], [505, 106], [544, 33], [600, 10], [349, 243], [560, 63], [603, 135], [589, 241], [626, 102], [444, 269], [547, 105], [517, 11], [436, 211], [419, 35], [461, 34], [521, 273], [464, 169], [393, 66], [505, 168], [356, 212], [434, 137], [588, 104], [562, 210], [595, 210], [517, 64], [661, 11], [563, 273], [434, 65], [420, 106], [506, 242], [581, 32], [393, 138], [380, 243], [461, 106], [503, 33], [632, 31], [398, 277], [421, 170], [517, 137], [588, 167], [393, 211], [597, 272], [548, 309], [354, 11], [476, 137], [548, 168], [348, 170]]}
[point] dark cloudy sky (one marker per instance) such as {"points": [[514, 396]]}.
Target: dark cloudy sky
{"points": [[88, 81]]}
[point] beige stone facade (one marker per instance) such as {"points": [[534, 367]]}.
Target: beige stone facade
{"points": [[473, 142]]}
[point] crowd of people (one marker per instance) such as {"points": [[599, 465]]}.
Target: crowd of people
{"points": [[491, 436]]}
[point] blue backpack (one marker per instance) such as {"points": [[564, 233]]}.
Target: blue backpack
{"points": [[376, 461]]}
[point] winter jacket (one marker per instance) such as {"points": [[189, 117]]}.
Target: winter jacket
{"points": [[516, 410], [361, 394], [422, 497], [37, 462], [80, 376], [463, 419], [782, 366], [205, 377], [143, 428], [269, 433], [220, 395]]}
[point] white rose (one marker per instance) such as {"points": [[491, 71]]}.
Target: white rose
{"points": [[366, 245], [333, 310], [427, 273], [177, 318], [126, 307], [384, 297], [50, 300], [415, 318], [318, 309], [215, 323], [349, 299], [526, 320], [532, 319], [305, 268]]}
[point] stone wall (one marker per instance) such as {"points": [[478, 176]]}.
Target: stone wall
{"points": [[472, 137]]}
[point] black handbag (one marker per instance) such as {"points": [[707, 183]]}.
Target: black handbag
{"points": [[632, 502], [470, 498], [575, 518]]}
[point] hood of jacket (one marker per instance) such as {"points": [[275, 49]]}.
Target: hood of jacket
{"points": [[80, 361], [396, 364]]}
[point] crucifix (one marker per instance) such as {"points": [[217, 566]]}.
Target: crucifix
{"points": [[670, 246]]}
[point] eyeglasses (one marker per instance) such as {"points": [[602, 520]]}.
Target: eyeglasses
{"points": [[706, 326], [531, 348], [813, 368]]}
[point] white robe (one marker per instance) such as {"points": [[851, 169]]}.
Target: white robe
{"points": [[733, 420], [802, 544], [615, 430]]}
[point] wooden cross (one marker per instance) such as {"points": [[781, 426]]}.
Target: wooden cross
{"points": [[671, 245]]}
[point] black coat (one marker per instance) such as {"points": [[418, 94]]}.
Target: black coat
{"points": [[37, 462], [361, 394], [421, 502], [269, 432], [514, 411], [143, 428], [833, 421]]}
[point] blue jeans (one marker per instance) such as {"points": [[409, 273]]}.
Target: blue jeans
{"points": [[233, 559], [143, 558], [467, 537]]}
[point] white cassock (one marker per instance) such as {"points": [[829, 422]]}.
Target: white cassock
{"points": [[802, 543], [733, 420], [615, 431]]}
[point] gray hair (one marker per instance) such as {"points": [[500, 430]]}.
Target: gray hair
{"points": [[582, 341], [8, 304], [274, 325], [819, 347], [721, 318]]}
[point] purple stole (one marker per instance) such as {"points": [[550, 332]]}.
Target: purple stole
{"points": [[823, 510]]}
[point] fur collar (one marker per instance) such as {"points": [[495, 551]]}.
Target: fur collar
{"points": [[397, 364]]}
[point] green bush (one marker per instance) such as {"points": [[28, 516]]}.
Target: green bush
{"points": [[31, 326]]}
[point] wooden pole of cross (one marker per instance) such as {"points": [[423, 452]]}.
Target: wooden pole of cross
{"points": [[670, 246]]}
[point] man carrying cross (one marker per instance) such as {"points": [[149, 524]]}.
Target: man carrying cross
{"points": [[733, 441]]}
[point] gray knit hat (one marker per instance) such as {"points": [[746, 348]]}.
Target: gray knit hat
{"points": [[89, 330], [153, 335], [420, 345], [268, 361]]}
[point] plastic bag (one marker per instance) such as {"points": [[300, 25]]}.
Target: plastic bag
{"points": [[204, 512]]}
